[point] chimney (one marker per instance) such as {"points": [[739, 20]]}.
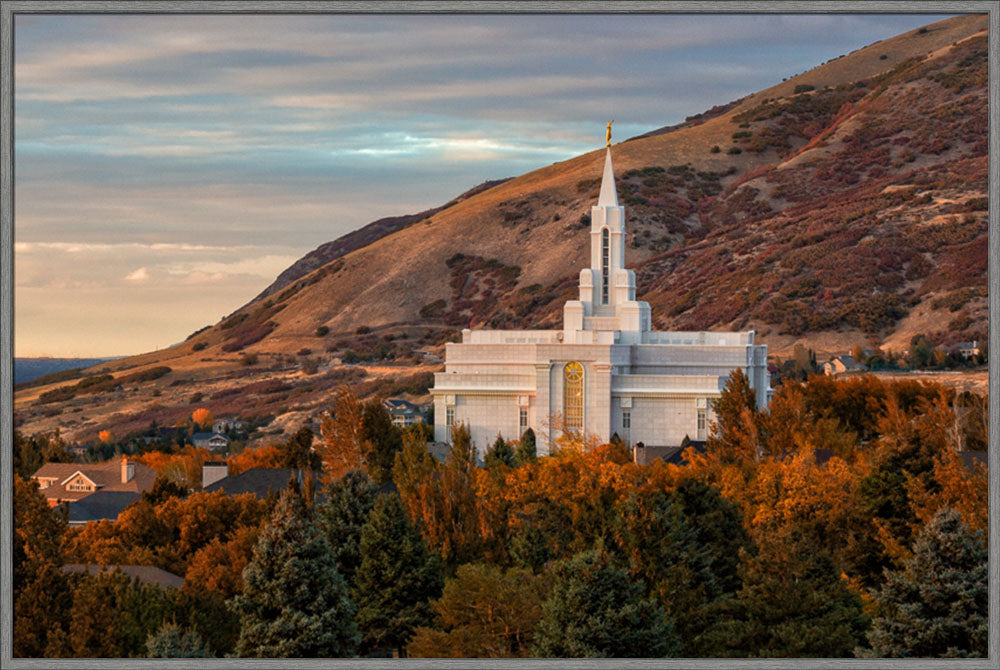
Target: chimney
{"points": [[128, 470]]}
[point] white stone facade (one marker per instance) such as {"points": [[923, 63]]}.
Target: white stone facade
{"points": [[605, 372]]}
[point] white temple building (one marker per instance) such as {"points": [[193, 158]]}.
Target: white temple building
{"points": [[606, 372]]}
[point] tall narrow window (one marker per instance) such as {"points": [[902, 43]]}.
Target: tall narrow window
{"points": [[573, 396], [605, 262], [626, 423], [522, 421], [449, 420]]}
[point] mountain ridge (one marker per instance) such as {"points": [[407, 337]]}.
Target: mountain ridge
{"points": [[843, 206]]}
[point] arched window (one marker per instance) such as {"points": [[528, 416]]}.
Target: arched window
{"points": [[605, 262], [573, 396]]}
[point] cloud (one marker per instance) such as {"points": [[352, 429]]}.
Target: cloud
{"points": [[139, 275]]}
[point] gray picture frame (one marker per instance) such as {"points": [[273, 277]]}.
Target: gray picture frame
{"points": [[8, 10]]}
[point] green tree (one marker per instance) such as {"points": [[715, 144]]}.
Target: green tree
{"points": [[500, 454], [484, 612], [736, 434], [526, 451], [793, 603], [597, 610], [380, 441], [294, 602], [297, 452], [342, 515], [31, 453], [685, 544], [163, 489], [937, 604], [171, 641], [396, 579]]}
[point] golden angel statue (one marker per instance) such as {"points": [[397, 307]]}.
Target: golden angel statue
{"points": [[608, 136]]}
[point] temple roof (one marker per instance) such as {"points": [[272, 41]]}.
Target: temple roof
{"points": [[609, 194]]}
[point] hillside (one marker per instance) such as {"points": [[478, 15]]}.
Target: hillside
{"points": [[846, 205]]}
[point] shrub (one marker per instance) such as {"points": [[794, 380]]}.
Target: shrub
{"points": [[322, 330], [198, 346], [363, 330], [715, 149], [248, 359], [304, 351], [802, 88], [734, 150]]}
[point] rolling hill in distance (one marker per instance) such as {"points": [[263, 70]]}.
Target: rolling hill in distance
{"points": [[844, 206]]}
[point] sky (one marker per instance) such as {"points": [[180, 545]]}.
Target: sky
{"points": [[169, 167]]}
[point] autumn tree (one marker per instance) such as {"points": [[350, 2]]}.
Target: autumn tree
{"points": [[596, 610], [341, 448], [41, 593], [396, 579], [294, 602], [297, 452], [380, 441], [937, 604], [104, 436], [202, 417], [483, 612]]}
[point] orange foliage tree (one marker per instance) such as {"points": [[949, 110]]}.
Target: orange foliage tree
{"points": [[259, 457], [341, 446], [202, 417], [183, 467], [104, 436]]}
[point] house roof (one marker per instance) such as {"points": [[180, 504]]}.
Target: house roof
{"points": [[970, 458], [400, 405], [647, 454], [258, 481], [147, 574], [207, 436], [107, 476], [100, 505]]}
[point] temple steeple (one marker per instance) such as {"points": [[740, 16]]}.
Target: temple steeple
{"points": [[607, 288], [609, 194]]}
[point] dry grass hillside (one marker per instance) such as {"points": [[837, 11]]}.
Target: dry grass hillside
{"points": [[844, 206]]}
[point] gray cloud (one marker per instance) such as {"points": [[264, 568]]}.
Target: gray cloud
{"points": [[265, 135]]}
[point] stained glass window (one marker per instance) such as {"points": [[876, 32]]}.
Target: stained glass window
{"points": [[573, 396]]}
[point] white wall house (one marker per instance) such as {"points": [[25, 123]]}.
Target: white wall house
{"points": [[605, 372]]}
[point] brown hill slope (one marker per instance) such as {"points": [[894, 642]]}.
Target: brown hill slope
{"points": [[844, 205]]}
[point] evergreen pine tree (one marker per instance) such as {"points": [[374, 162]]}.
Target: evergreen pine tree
{"points": [[341, 517], [526, 448], [793, 603], [936, 605], [499, 454], [396, 579], [294, 602], [171, 641], [596, 610], [380, 441]]}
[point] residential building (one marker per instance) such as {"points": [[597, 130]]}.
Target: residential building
{"points": [[69, 482]]}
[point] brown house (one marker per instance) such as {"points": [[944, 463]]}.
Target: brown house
{"points": [[69, 482]]}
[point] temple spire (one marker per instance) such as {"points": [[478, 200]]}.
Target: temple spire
{"points": [[609, 194]]}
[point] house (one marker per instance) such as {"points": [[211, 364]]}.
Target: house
{"points": [[226, 424], [403, 413], [606, 371], [69, 482], [643, 455], [146, 574], [259, 481], [840, 364], [213, 471], [99, 506], [212, 441], [967, 349]]}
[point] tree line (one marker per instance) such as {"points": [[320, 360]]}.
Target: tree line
{"points": [[840, 522]]}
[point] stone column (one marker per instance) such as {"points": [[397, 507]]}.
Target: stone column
{"points": [[543, 407]]}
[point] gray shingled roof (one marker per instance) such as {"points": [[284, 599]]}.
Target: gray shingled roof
{"points": [[146, 574], [259, 481], [100, 505]]}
